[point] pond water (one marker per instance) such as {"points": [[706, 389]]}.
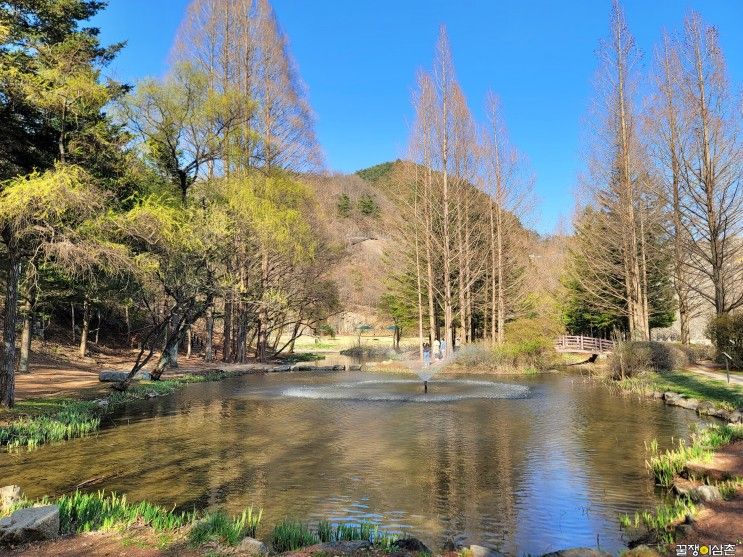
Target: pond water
{"points": [[521, 465]]}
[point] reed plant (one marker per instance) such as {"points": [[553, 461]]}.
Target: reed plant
{"points": [[218, 526], [290, 535], [662, 521]]}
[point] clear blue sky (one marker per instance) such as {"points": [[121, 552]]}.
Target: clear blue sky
{"points": [[359, 60]]}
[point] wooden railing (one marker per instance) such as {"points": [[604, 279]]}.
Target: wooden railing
{"points": [[567, 343]]}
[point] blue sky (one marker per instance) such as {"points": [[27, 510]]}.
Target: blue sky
{"points": [[359, 60]]}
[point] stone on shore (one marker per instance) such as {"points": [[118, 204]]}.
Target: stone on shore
{"points": [[251, 547], [118, 376], [9, 496], [410, 545], [30, 525], [705, 493], [480, 551]]}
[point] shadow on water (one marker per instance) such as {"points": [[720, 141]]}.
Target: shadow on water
{"points": [[549, 462]]}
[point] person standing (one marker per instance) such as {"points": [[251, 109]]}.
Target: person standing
{"points": [[442, 347]]}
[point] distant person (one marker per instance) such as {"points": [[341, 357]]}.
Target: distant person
{"points": [[442, 346], [436, 348], [426, 354]]}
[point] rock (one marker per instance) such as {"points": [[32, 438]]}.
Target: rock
{"points": [[688, 403], [101, 403], [480, 551], [112, 376], [30, 525], [705, 408], [411, 544], [280, 369], [720, 413], [9, 496], [117, 376], [705, 493], [578, 552], [354, 367], [668, 395], [684, 530], [736, 417], [253, 547], [682, 487], [302, 367], [657, 394], [150, 394]]}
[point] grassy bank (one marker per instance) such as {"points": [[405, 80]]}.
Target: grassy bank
{"points": [[691, 385], [107, 511], [39, 421]]}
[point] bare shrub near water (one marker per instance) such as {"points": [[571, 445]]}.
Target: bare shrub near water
{"points": [[509, 357], [630, 358]]}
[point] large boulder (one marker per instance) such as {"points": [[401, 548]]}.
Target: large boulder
{"points": [[250, 547], [9, 496], [705, 493], [578, 552], [30, 525], [736, 417], [118, 376], [409, 545]]}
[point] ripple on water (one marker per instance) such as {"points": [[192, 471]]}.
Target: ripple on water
{"points": [[405, 390]]}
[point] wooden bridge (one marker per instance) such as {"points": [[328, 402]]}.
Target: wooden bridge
{"points": [[588, 345]]}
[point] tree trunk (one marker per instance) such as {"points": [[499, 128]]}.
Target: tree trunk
{"points": [[263, 312], [7, 374], [86, 328], [227, 329], [189, 342], [25, 337], [208, 349]]}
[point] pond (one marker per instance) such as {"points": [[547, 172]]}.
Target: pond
{"points": [[521, 465]]}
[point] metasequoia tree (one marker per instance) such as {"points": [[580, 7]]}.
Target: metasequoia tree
{"points": [[509, 186], [711, 194], [618, 184]]}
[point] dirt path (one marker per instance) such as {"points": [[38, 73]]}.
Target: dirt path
{"points": [[713, 371], [59, 372], [99, 544]]}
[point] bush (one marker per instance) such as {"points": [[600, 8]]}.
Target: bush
{"points": [[696, 352], [633, 357], [726, 333], [533, 354], [344, 205], [368, 206]]}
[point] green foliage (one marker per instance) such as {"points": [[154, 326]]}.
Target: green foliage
{"points": [[368, 206], [219, 527], [74, 419], [290, 535], [662, 521], [665, 466], [726, 332], [343, 206], [630, 358], [89, 512], [378, 172]]}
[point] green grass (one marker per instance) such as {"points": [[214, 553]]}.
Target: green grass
{"points": [[662, 521], [720, 393], [40, 421], [666, 465], [219, 527], [290, 535], [71, 419]]}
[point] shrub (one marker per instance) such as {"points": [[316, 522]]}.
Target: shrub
{"points": [[368, 206], [531, 354], [726, 333], [696, 352], [632, 357], [344, 205]]}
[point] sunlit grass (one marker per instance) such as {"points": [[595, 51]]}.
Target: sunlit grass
{"points": [[219, 527], [666, 465], [662, 521], [720, 393], [291, 535]]}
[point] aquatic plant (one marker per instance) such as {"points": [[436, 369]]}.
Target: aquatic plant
{"points": [[665, 466], [217, 526], [325, 531], [662, 521], [74, 419], [290, 535], [88, 512]]}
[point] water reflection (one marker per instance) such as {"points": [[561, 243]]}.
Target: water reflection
{"points": [[523, 475]]}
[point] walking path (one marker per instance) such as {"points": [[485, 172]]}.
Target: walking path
{"points": [[713, 372]]}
